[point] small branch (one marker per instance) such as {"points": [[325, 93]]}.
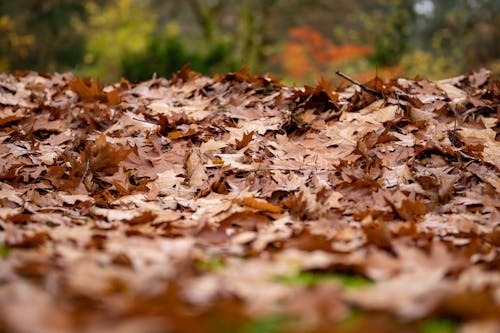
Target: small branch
{"points": [[359, 84], [144, 121], [289, 170]]}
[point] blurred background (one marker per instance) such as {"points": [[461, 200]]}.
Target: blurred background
{"points": [[298, 40]]}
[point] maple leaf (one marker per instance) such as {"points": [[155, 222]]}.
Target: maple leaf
{"points": [[92, 91], [296, 204], [247, 137], [104, 156], [410, 209], [185, 74], [377, 233]]}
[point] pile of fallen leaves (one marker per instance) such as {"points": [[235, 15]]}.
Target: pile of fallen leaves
{"points": [[237, 204]]}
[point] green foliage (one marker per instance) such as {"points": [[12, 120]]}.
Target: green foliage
{"points": [[116, 30], [453, 37], [392, 25], [165, 55], [464, 32], [428, 65], [41, 35]]}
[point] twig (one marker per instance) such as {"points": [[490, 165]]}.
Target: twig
{"points": [[359, 84], [144, 121], [289, 169]]}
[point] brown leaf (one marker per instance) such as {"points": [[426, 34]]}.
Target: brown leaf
{"points": [[261, 205], [183, 75], [92, 91], [105, 155], [410, 209], [145, 217], [88, 90], [155, 207], [247, 137], [182, 134], [377, 233]]}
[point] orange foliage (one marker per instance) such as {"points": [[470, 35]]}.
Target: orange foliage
{"points": [[296, 62], [308, 52], [384, 73], [348, 52]]}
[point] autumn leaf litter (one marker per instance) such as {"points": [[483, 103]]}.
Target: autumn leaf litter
{"points": [[164, 205]]}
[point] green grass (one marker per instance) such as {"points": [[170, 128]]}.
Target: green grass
{"points": [[4, 251], [438, 325], [210, 265], [51, 224], [311, 279], [351, 321], [268, 324]]}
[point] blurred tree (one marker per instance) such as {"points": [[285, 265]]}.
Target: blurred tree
{"points": [[309, 55], [12, 43], [41, 35], [253, 24], [167, 53], [238, 26], [114, 30], [224, 35], [463, 31], [135, 38], [217, 35], [392, 24], [206, 13], [349, 29]]}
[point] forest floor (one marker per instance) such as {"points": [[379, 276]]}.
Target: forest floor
{"points": [[238, 204]]}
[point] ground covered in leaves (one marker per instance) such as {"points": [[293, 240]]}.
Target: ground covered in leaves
{"points": [[237, 204]]}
